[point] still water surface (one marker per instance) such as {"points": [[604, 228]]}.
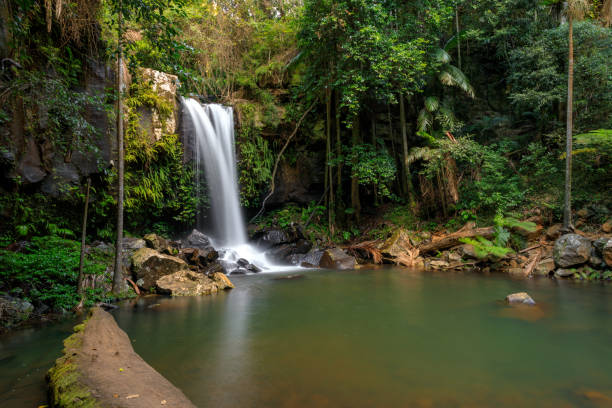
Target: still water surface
{"points": [[383, 338]]}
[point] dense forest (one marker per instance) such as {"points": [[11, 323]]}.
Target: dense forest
{"points": [[353, 117]]}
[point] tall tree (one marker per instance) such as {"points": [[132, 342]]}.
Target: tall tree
{"points": [[575, 10]]}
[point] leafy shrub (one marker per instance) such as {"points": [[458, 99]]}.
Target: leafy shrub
{"points": [[47, 271]]}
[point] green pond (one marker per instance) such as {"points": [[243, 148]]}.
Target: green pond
{"points": [[367, 338]]}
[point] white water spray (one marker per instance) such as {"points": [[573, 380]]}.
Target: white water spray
{"points": [[214, 148]]}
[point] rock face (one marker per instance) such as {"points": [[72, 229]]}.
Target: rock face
{"points": [[188, 283], [99, 368], [165, 86], [571, 250], [14, 310], [336, 258], [149, 265], [521, 298], [161, 244]]}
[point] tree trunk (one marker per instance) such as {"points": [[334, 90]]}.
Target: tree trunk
{"points": [[407, 182], [118, 274], [567, 208], [458, 39], [83, 235], [338, 146], [329, 179], [355, 202]]}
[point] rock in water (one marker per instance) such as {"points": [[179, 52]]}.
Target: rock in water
{"points": [[14, 310], [188, 283], [149, 265], [521, 298], [196, 240], [571, 250], [607, 253], [336, 258]]}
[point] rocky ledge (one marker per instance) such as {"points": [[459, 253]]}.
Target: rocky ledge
{"points": [[99, 368]]}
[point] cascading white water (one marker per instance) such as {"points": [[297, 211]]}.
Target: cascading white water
{"points": [[214, 148]]}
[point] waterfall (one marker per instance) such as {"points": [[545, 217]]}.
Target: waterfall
{"points": [[214, 153]]}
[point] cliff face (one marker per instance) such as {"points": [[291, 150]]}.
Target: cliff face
{"points": [[28, 158]]}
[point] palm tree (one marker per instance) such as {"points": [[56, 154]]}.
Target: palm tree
{"points": [[436, 109], [574, 10]]}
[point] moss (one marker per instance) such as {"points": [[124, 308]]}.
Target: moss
{"points": [[65, 389]]}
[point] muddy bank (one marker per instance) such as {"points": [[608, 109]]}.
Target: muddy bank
{"points": [[99, 368]]}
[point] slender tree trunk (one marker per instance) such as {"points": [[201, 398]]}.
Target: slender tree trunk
{"points": [[458, 39], [355, 202], [338, 146], [407, 182], [329, 180], [83, 235], [118, 274], [567, 208]]}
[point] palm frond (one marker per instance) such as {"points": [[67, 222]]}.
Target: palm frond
{"points": [[441, 56], [432, 103], [576, 9], [424, 120], [453, 76], [419, 153], [447, 117]]}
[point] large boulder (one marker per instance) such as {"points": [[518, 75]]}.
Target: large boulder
{"points": [[336, 258], [196, 240], [199, 257], [397, 244], [164, 85], [282, 244], [14, 310], [189, 283], [571, 250], [607, 253], [149, 265]]}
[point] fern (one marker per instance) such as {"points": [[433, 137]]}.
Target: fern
{"points": [[483, 247]]}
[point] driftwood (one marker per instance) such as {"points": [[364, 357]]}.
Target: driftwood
{"points": [[451, 240]]}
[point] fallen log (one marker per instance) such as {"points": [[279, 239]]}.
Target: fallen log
{"points": [[452, 240]]}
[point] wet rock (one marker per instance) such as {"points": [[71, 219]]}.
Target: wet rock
{"points": [[288, 277], [188, 283], [453, 257], [564, 273], [571, 250], [313, 257], [242, 262], [521, 298], [516, 272], [336, 258], [607, 253], [196, 240], [14, 310], [596, 261], [198, 257], [545, 267], [239, 271], [149, 265], [253, 268]]}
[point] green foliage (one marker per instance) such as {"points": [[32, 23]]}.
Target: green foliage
{"points": [[256, 162], [374, 168], [47, 270], [484, 248]]}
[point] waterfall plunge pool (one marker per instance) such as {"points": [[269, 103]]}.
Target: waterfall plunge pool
{"points": [[382, 338]]}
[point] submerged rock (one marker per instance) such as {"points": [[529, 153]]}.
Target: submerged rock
{"points": [[564, 273], [189, 283], [520, 298], [336, 258], [149, 265], [571, 250]]}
